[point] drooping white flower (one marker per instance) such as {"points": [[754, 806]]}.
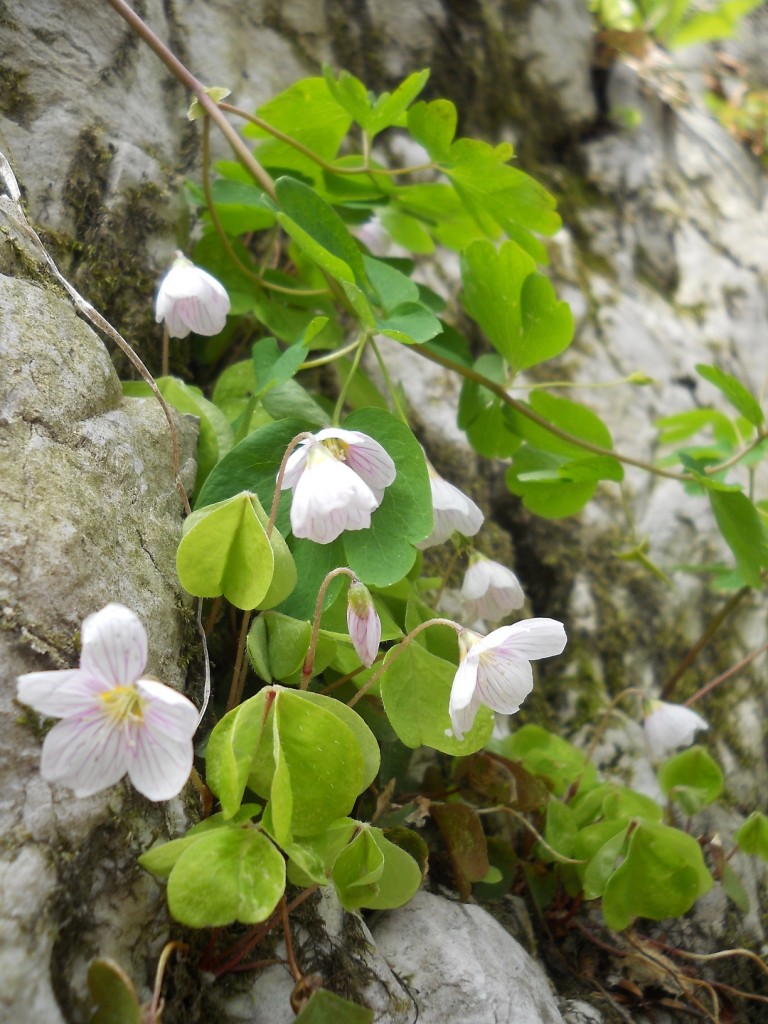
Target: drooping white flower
{"points": [[495, 669], [113, 721], [669, 726], [190, 299], [338, 478], [363, 623], [490, 590], [454, 512]]}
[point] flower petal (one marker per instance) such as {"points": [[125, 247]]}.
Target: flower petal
{"points": [[503, 683], [453, 511], [329, 499], [114, 645], [168, 710], [88, 753], [60, 694], [158, 765], [530, 639], [464, 683], [669, 726], [462, 719], [294, 467], [371, 461]]}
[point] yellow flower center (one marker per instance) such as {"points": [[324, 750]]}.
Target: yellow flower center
{"points": [[124, 705], [336, 447]]}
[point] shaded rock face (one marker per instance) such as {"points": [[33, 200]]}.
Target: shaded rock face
{"points": [[90, 515], [663, 258]]}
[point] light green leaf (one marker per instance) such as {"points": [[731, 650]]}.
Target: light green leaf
{"points": [[230, 751], [743, 531], [752, 836], [225, 550], [692, 779], [515, 306], [433, 125], [415, 689], [739, 396], [233, 874], [662, 875], [411, 324], [389, 107]]}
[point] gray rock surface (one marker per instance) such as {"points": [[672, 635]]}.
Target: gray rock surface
{"points": [[90, 515]]}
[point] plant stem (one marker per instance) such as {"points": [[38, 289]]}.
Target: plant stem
{"points": [[502, 808], [165, 358], [238, 676], [155, 1006], [364, 168], [279, 480], [309, 661], [338, 408], [709, 687], [397, 651], [331, 357], [497, 389], [188, 80], [712, 627], [390, 386]]}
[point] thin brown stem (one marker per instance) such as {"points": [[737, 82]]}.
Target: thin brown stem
{"points": [[238, 676], [726, 675], [155, 1006], [397, 651], [712, 627], [188, 80], [364, 168], [279, 480], [165, 358], [309, 661], [290, 956], [497, 389]]}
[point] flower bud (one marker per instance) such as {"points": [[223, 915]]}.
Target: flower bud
{"points": [[363, 623]]}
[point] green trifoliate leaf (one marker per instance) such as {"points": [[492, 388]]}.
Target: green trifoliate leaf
{"points": [[225, 550], [389, 108], [692, 779], [309, 763], [372, 872], [416, 688], [230, 874], [662, 875], [160, 860], [514, 305], [549, 756]]}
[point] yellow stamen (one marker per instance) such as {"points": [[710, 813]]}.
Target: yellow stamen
{"points": [[336, 447], [124, 705]]}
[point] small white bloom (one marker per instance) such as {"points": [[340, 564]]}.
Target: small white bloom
{"points": [[495, 670], [490, 590], [338, 478], [113, 721], [363, 623], [454, 512], [668, 726], [190, 299]]}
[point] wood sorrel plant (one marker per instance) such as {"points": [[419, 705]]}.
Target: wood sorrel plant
{"points": [[290, 231]]}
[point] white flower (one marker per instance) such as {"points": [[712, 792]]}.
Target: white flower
{"points": [[189, 299], [495, 670], [668, 726], [113, 722], [453, 511], [490, 590], [338, 478], [363, 623]]}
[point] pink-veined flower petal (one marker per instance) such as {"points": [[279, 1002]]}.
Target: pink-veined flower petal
{"points": [[60, 694], [453, 512], [87, 753], [329, 499], [190, 298], [503, 683], [114, 645], [490, 590], [530, 639], [295, 465], [170, 713], [158, 764], [463, 718], [464, 683]]}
